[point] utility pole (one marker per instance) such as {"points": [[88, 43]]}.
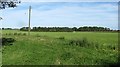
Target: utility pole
{"points": [[29, 20]]}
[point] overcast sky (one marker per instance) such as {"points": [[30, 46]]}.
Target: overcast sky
{"points": [[69, 14]]}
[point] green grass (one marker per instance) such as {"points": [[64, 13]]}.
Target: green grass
{"points": [[44, 48], [0, 48]]}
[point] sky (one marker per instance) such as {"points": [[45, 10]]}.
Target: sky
{"points": [[62, 14], [69, 0]]}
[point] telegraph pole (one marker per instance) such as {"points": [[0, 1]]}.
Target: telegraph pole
{"points": [[29, 20]]}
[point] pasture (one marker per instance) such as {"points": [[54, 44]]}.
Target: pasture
{"points": [[60, 48]]}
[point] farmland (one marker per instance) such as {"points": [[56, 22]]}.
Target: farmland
{"points": [[60, 48]]}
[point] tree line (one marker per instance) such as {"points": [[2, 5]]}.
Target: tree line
{"points": [[8, 3], [9, 29], [67, 29]]}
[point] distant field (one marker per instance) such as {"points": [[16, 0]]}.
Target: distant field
{"points": [[55, 48]]}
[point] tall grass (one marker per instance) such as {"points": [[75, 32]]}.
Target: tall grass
{"points": [[84, 42]]}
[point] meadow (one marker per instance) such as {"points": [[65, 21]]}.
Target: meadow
{"points": [[60, 48]]}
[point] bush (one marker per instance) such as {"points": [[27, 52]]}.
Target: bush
{"points": [[7, 41]]}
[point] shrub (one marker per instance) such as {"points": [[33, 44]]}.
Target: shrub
{"points": [[7, 41]]}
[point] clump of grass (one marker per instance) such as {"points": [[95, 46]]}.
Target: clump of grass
{"points": [[37, 35], [83, 43], [110, 46], [19, 33], [10, 34], [24, 34], [15, 33], [61, 38], [41, 36], [44, 36], [66, 56], [6, 34]]}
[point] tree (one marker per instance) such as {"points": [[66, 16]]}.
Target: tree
{"points": [[8, 3], [1, 18], [74, 28], [67, 29]]}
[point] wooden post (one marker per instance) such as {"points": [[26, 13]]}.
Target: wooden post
{"points": [[29, 20]]}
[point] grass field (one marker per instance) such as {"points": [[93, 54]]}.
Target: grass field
{"points": [[44, 48]]}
